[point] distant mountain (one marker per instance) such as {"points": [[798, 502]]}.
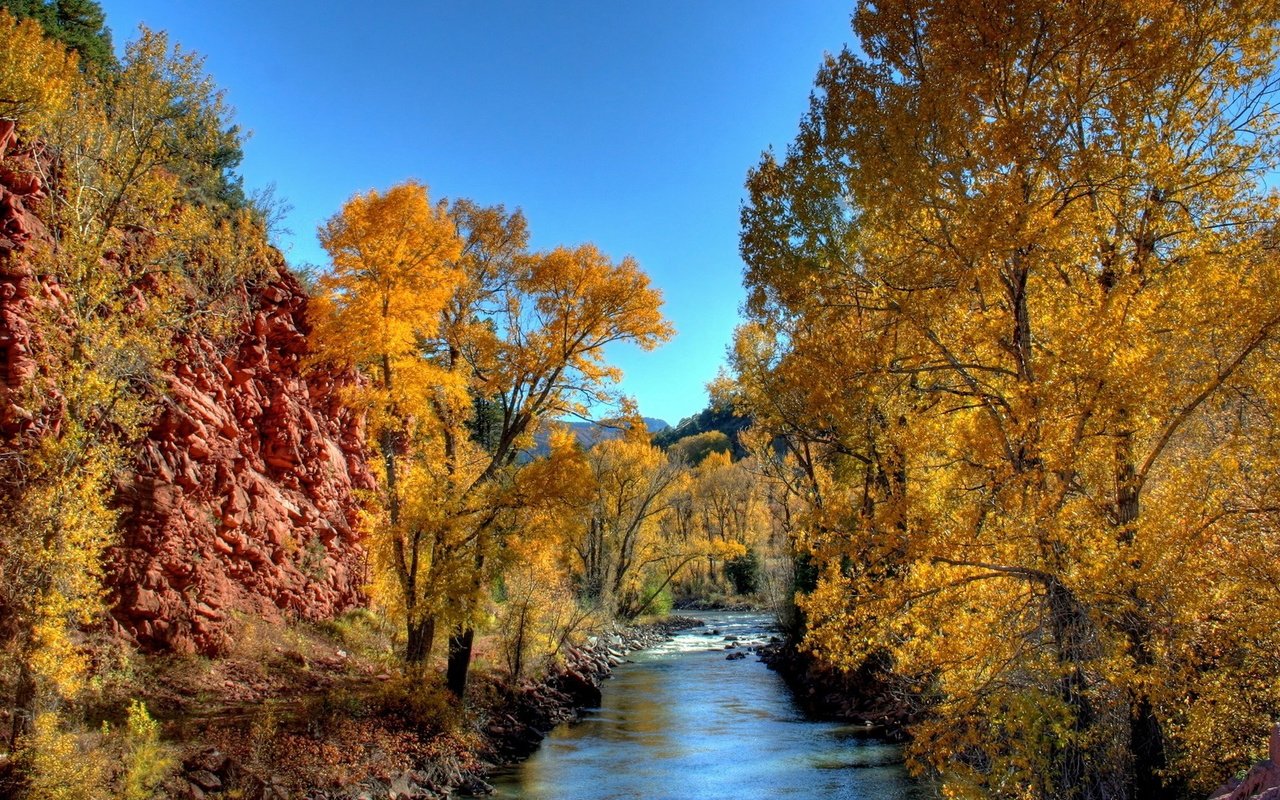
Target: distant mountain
{"points": [[589, 433]]}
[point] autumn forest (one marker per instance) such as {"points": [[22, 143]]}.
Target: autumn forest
{"points": [[995, 448]]}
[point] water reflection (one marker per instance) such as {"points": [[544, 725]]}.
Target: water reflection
{"points": [[683, 722]]}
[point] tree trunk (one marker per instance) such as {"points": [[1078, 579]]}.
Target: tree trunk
{"points": [[24, 705], [1146, 735], [1083, 770], [459, 661], [421, 640], [1146, 738]]}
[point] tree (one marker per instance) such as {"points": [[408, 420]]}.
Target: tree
{"points": [[79, 25], [725, 496], [539, 354], [37, 75], [1013, 300], [392, 277], [490, 340], [538, 610], [631, 481]]}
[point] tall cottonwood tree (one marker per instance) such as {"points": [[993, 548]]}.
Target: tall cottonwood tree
{"points": [[509, 338], [1013, 291], [392, 276]]}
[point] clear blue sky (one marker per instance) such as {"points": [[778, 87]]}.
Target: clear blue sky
{"points": [[630, 124]]}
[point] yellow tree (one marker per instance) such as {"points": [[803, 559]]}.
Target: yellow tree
{"points": [[538, 611], [37, 75], [632, 482], [489, 340], [1014, 294], [728, 505], [392, 277]]}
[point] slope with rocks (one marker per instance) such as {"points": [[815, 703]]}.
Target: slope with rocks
{"points": [[242, 496]]}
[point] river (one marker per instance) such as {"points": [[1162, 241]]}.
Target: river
{"points": [[682, 722]]}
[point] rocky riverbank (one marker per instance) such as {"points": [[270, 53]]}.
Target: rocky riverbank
{"points": [[866, 696], [374, 743]]}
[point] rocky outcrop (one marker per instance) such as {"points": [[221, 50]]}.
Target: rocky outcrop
{"points": [[241, 499], [19, 186], [1262, 782]]}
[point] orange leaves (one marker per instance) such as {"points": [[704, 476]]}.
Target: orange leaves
{"points": [[585, 300], [568, 304], [392, 276]]}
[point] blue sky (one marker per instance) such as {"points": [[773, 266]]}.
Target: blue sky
{"points": [[631, 125]]}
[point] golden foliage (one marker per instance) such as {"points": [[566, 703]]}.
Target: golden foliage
{"points": [[60, 765], [1013, 306], [37, 75], [146, 762]]}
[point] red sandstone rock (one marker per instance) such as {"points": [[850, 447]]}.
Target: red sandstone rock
{"points": [[8, 132], [241, 499], [247, 482]]}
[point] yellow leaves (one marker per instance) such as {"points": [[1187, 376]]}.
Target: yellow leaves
{"points": [[392, 276], [59, 765], [147, 761], [567, 305], [562, 482], [37, 75]]}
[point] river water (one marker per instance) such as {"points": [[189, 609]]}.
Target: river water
{"points": [[683, 723]]}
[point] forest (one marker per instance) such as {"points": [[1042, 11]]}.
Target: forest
{"points": [[997, 429]]}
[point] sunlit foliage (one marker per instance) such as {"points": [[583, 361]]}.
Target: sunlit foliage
{"points": [[469, 340], [1014, 308], [134, 256]]}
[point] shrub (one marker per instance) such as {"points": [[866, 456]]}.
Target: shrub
{"points": [[744, 572], [58, 766], [147, 761]]}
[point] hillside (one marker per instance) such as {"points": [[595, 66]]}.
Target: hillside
{"points": [[712, 419], [589, 433]]}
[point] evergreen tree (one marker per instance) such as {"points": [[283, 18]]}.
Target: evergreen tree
{"points": [[79, 24]]}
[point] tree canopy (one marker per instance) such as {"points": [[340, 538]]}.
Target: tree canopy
{"points": [[1012, 301]]}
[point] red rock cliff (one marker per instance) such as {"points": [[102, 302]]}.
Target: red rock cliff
{"points": [[241, 499]]}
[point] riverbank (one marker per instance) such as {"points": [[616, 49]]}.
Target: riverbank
{"points": [[867, 696], [697, 718], [360, 730]]}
